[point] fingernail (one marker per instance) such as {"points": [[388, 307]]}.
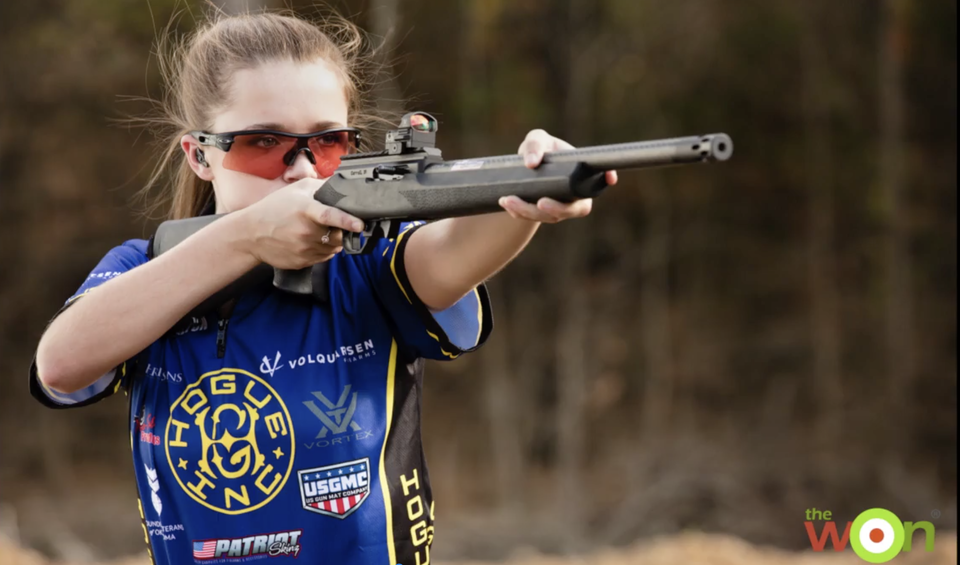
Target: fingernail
{"points": [[530, 159]]}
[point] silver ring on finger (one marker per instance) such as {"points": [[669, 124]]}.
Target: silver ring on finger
{"points": [[326, 237]]}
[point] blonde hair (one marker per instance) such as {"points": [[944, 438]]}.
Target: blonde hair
{"points": [[196, 72]]}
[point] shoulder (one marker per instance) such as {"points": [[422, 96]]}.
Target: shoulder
{"points": [[130, 253], [132, 248], [122, 258]]}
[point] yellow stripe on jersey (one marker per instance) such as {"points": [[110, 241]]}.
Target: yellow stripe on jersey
{"points": [[393, 267], [384, 485], [442, 350], [123, 373]]}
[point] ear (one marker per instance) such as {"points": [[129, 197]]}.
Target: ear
{"points": [[190, 148]]}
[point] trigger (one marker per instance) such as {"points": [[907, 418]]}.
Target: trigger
{"points": [[354, 243]]}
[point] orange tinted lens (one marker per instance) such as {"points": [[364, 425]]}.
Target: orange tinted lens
{"points": [[328, 149], [259, 154]]}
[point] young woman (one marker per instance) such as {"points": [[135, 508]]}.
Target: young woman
{"points": [[277, 426]]}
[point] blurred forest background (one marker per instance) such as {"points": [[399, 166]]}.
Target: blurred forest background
{"points": [[715, 348]]}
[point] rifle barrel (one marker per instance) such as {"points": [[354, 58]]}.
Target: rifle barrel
{"points": [[634, 155]]}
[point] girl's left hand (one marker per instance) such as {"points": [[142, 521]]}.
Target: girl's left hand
{"points": [[546, 210]]}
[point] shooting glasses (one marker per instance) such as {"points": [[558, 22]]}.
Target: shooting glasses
{"points": [[267, 153]]}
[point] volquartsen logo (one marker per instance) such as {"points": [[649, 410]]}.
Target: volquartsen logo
{"points": [[104, 275], [344, 353]]}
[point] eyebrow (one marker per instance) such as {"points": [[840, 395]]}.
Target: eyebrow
{"points": [[319, 126]]}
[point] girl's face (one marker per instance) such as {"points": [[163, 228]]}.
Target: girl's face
{"points": [[282, 95]]}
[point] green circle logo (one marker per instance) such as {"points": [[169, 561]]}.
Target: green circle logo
{"points": [[877, 535]]}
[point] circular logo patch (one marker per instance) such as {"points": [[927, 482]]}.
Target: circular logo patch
{"points": [[229, 441], [877, 535]]}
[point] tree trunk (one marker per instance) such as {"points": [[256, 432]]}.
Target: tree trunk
{"points": [[572, 343], [500, 389], [385, 19], [500, 395], [572, 367], [655, 323], [899, 300], [825, 334]]}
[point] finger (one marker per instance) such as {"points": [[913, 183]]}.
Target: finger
{"points": [[612, 178], [532, 152], [324, 257], [533, 147], [521, 210], [321, 251], [333, 217], [565, 210], [332, 239], [509, 210]]}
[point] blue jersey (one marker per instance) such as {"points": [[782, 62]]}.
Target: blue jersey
{"points": [[291, 429]]}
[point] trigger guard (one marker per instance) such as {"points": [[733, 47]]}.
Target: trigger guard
{"points": [[353, 243]]}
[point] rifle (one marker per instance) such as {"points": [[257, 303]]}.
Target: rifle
{"points": [[409, 180]]}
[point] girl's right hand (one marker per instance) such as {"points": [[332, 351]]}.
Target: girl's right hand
{"points": [[286, 229]]}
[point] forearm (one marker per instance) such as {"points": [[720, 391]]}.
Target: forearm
{"points": [[121, 317], [448, 258]]}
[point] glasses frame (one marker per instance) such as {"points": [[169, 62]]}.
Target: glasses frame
{"points": [[224, 141]]}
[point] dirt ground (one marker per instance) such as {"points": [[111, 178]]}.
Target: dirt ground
{"points": [[692, 548]]}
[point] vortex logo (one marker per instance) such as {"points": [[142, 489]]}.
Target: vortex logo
{"points": [[230, 442], [877, 535]]}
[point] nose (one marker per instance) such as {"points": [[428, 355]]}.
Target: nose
{"points": [[301, 168]]}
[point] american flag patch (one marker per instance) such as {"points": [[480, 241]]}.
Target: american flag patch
{"points": [[204, 549], [340, 506]]}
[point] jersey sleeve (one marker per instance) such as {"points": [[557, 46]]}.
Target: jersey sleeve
{"points": [[441, 335], [118, 261]]}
